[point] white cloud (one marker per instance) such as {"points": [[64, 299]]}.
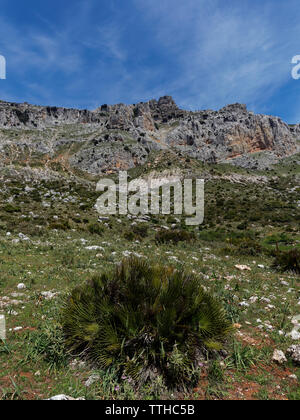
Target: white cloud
{"points": [[223, 53], [204, 53]]}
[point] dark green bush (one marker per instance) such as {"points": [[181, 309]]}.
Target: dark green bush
{"points": [[175, 236], [247, 246], [10, 208], [95, 229], [129, 236], [145, 321], [136, 233], [62, 225], [140, 230], [287, 261]]}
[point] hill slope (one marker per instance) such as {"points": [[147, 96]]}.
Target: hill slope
{"points": [[123, 136]]}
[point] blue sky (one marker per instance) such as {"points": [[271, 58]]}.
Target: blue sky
{"points": [[206, 54]]}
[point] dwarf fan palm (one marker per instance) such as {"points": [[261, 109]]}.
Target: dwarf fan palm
{"points": [[145, 320]]}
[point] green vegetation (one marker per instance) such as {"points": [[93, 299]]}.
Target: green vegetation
{"points": [[248, 221], [145, 321], [174, 236], [288, 260]]}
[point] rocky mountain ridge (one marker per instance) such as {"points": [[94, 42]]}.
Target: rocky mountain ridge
{"points": [[122, 136]]}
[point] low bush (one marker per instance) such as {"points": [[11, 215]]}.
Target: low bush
{"points": [[175, 236], [145, 322], [129, 236], [60, 225], [247, 246], [10, 208], [136, 233], [140, 230], [95, 229], [287, 261]]}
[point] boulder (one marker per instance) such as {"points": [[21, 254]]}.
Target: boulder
{"points": [[279, 357]]}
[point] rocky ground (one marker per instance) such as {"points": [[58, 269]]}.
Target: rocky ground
{"points": [[51, 240]]}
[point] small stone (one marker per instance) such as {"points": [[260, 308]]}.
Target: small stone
{"points": [[243, 267], [23, 237], [12, 312], [279, 357], [21, 286], [253, 299], [294, 353], [92, 379], [48, 295], [94, 248], [64, 398], [244, 304]]}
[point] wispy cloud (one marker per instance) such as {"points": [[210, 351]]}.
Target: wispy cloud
{"points": [[205, 54], [223, 53]]}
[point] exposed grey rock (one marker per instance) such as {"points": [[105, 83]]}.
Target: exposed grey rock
{"points": [[294, 353], [231, 133], [20, 115], [122, 136], [279, 357]]}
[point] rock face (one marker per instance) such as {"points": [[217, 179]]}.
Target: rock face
{"points": [[25, 115], [232, 132], [122, 136]]}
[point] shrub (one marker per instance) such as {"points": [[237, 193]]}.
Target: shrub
{"points": [[175, 236], [137, 232], [95, 229], [247, 246], [145, 321], [10, 208], [140, 230], [287, 261], [129, 236], [242, 226], [62, 225]]}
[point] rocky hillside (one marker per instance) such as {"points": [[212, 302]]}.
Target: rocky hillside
{"points": [[122, 136]]}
